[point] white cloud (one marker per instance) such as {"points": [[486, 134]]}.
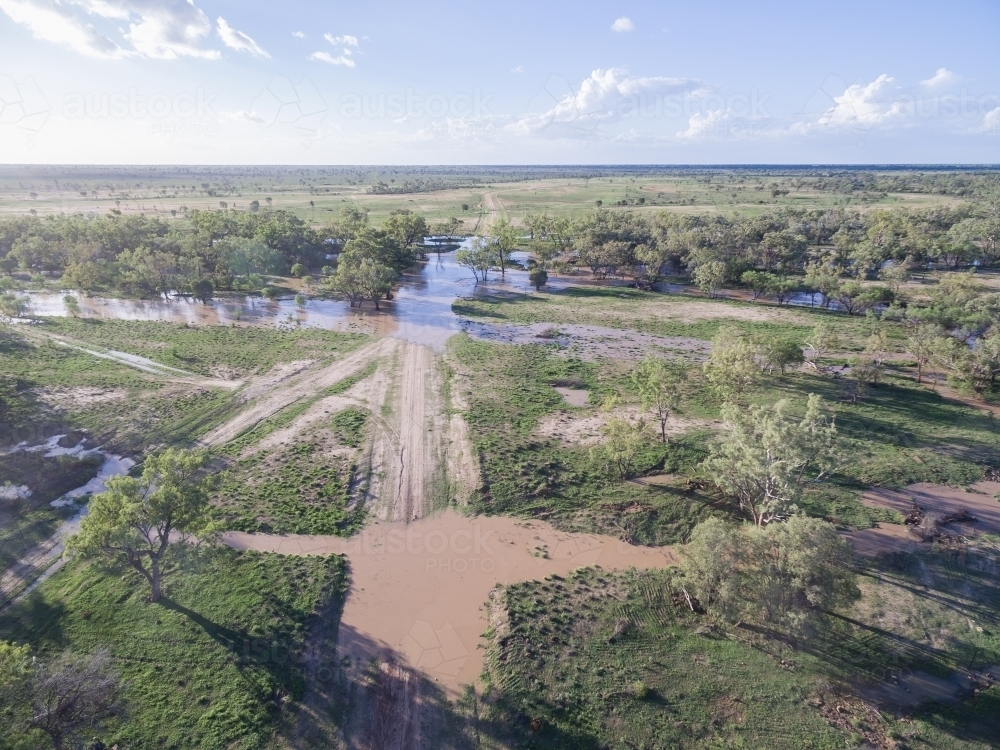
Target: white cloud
{"points": [[337, 41], [298, 35], [518, 69], [331, 60], [559, 110], [623, 24], [237, 40], [991, 122], [942, 78], [162, 29], [51, 22], [858, 107]]}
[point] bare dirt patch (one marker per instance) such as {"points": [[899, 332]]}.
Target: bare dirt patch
{"points": [[592, 342], [932, 511], [77, 398], [285, 385], [585, 430]]}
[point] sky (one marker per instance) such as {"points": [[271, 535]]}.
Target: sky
{"points": [[249, 82]]}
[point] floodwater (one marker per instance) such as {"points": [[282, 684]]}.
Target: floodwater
{"points": [[419, 313], [418, 589]]}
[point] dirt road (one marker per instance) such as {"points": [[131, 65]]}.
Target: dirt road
{"points": [[271, 395]]}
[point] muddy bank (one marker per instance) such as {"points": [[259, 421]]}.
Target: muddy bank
{"points": [[418, 590]]}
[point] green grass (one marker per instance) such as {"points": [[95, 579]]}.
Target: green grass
{"points": [[208, 350], [526, 475], [209, 667], [617, 660], [597, 661], [660, 314], [349, 425]]}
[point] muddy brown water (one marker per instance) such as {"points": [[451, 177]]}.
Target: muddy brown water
{"points": [[418, 590], [419, 313]]}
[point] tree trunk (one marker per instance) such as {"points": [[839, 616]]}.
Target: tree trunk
{"points": [[154, 580]]}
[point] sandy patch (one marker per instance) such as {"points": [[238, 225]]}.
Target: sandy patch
{"points": [[77, 398], [321, 410], [584, 430], [418, 589], [886, 537]]}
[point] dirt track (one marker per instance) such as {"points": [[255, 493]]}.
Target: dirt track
{"points": [[275, 396]]}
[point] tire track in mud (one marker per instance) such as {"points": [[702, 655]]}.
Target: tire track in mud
{"points": [[307, 382]]}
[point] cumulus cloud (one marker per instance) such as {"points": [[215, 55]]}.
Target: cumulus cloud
{"points": [[161, 29], [326, 57], [858, 106], [337, 41], [298, 35], [54, 23], [561, 110], [991, 122], [237, 40], [942, 78], [623, 24], [345, 42]]}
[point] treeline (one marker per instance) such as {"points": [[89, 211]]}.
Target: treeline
{"points": [[210, 250]]}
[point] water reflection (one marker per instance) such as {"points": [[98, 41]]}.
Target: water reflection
{"points": [[420, 311]]}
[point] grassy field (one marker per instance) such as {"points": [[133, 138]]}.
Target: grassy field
{"points": [[601, 660], [215, 665], [317, 195]]}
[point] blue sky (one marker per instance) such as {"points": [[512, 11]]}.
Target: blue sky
{"points": [[225, 82]]}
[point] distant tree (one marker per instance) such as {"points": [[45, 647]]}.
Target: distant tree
{"points": [[759, 282], [203, 290], [298, 270], [765, 456], [822, 341], [347, 281], [538, 277], [254, 206], [408, 228], [138, 520], [72, 306], [480, 259], [504, 238], [13, 306], [710, 277], [786, 576], [658, 385], [921, 343], [858, 298], [465, 206], [376, 279], [895, 275]]}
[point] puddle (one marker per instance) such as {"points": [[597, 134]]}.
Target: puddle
{"points": [[419, 589], [573, 396]]}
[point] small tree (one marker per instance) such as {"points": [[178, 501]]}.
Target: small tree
{"points": [[921, 344], [538, 277], [13, 306], [709, 277], [137, 520], [782, 353], [479, 259], [622, 441], [298, 270], [72, 305], [765, 457], [376, 280], [822, 341], [786, 575], [73, 694], [659, 388], [732, 369]]}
